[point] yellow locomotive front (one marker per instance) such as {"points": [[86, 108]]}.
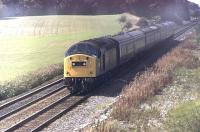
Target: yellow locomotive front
{"points": [[87, 62], [80, 67]]}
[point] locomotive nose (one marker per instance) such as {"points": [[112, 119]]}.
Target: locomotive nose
{"points": [[80, 65]]}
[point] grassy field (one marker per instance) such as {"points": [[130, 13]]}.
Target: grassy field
{"points": [[30, 43]]}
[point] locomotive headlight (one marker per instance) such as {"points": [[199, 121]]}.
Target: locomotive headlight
{"points": [[73, 64], [84, 64]]}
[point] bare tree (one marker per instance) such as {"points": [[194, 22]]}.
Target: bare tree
{"points": [[122, 19], [142, 22], [128, 25]]}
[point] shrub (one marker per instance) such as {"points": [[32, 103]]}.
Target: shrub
{"points": [[122, 19], [126, 23], [142, 22]]}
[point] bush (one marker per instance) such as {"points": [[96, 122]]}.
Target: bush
{"points": [[128, 25], [122, 19], [29, 81], [142, 22]]}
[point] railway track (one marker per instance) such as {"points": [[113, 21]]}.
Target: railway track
{"points": [[43, 117], [28, 99], [184, 29]]}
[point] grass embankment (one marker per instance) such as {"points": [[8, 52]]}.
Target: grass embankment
{"points": [[26, 82], [31, 45], [154, 79], [149, 83]]}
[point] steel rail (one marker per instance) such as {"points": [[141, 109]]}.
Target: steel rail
{"points": [[30, 103], [30, 94], [53, 115]]}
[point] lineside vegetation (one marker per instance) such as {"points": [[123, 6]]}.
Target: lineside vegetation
{"points": [[154, 79], [29, 81], [149, 83]]}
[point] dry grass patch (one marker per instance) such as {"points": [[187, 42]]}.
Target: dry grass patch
{"points": [[154, 79]]}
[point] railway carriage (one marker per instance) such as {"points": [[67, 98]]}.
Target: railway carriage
{"points": [[130, 43], [151, 34], [167, 29]]}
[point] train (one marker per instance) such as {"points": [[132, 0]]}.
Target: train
{"points": [[90, 60]]}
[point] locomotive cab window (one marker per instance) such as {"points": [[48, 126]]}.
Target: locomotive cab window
{"points": [[82, 48]]}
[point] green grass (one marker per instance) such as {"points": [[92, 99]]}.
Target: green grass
{"points": [[197, 73], [186, 117], [185, 109], [30, 43]]}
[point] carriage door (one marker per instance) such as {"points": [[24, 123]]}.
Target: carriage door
{"points": [[104, 62]]}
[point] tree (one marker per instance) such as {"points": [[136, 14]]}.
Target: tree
{"points": [[122, 19], [128, 25], [142, 22]]}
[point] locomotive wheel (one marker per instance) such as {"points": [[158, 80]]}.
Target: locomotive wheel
{"points": [[74, 89], [85, 87]]}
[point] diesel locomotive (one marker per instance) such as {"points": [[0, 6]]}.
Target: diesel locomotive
{"points": [[87, 61]]}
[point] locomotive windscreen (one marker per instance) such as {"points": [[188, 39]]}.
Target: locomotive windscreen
{"points": [[82, 48]]}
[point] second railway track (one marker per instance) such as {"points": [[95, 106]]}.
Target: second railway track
{"points": [[42, 118], [28, 99]]}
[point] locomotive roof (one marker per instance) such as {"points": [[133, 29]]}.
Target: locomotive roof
{"points": [[92, 46], [149, 29], [136, 33], [129, 35], [160, 25], [102, 43]]}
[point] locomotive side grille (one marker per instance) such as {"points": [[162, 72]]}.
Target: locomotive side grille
{"points": [[80, 65]]}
